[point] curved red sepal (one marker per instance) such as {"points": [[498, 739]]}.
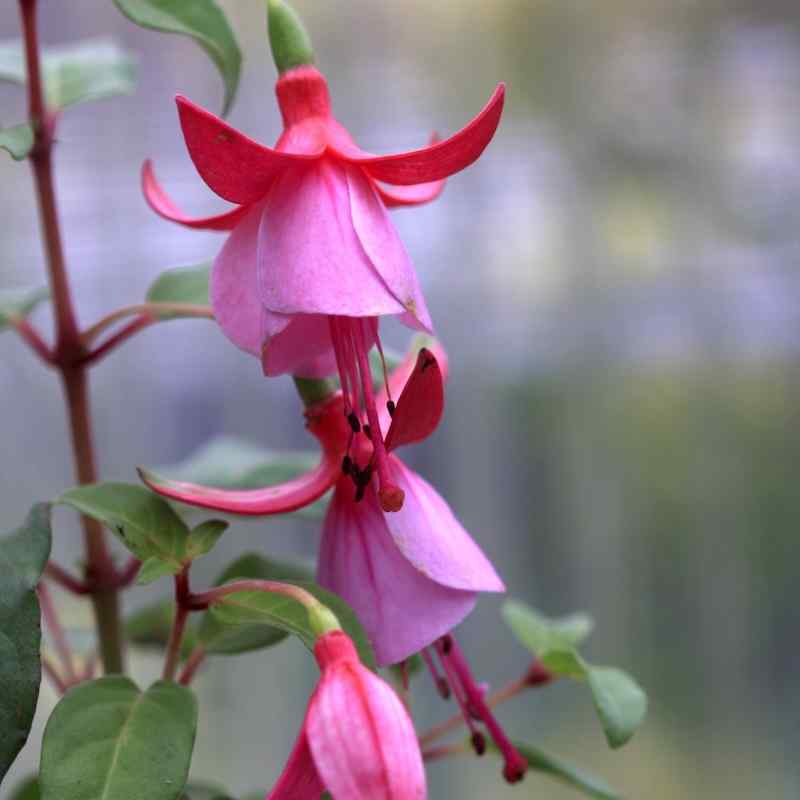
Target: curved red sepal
{"points": [[299, 779], [416, 195], [439, 160], [235, 166], [161, 203], [421, 403], [326, 422]]}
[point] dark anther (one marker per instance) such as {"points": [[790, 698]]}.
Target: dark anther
{"points": [[478, 743], [426, 359], [443, 687], [447, 643], [365, 476], [367, 431], [390, 407], [361, 487], [347, 465], [354, 423]]}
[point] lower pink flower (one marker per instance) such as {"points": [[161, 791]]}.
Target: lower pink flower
{"points": [[357, 740]]}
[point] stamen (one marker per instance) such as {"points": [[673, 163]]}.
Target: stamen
{"points": [[339, 354], [383, 367], [515, 764], [391, 496], [367, 431], [442, 686], [462, 698], [347, 465], [355, 425], [390, 407]]}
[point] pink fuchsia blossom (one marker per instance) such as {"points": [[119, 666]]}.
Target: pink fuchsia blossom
{"points": [[411, 575], [357, 740], [313, 260]]}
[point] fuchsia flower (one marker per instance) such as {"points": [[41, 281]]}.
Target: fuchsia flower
{"points": [[357, 740], [313, 259], [411, 575]]}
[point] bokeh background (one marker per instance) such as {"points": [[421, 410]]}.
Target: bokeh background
{"points": [[616, 281]]}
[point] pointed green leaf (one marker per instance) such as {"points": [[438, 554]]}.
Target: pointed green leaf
{"points": [[619, 701], [203, 21], [27, 790], [146, 524], [222, 639], [153, 569], [566, 773], [203, 538], [19, 303], [107, 740], [23, 556], [187, 286], [17, 140], [151, 626], [228, 462], [92, 69]]}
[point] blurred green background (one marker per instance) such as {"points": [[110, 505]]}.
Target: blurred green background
{"points": [[616, 282]]}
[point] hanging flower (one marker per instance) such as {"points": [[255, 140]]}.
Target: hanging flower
{"points": [[411, 575], [313, 260], [357, 740]]}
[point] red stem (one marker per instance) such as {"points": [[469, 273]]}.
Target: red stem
{"points": [[68, 349], [129, 330], [128, 573], [57, 632], [203, 600], [52, 673], [31, 337], [67, 581], [196, 658]]}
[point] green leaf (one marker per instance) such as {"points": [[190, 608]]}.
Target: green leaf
{"points": [[562, 771], [146, 524], [203, 21], [23, 556], [107, 740], [19, 303], [184, 285], [17, 141], [228, 462], [221, 639], [151, 626], [619, 701], [203, 538], [27, 790], [92, 69], [153, 569], [289, 615]]}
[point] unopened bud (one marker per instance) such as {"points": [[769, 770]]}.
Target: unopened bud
{"points": [[288, 39]]}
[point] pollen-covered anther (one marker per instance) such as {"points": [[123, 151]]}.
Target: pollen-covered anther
{"points": [[391, 497]]}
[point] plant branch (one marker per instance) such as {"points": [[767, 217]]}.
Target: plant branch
{"points": [[145, 309], [182, 609], [31, 337], [131, 329], [64, 579], [203, 600], [57, 632], [52, 673], [196, 658], [68, 347]]}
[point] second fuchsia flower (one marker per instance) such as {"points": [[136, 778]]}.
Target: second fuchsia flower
{"points": [[412, 575], [357, 740], [313, 260]]}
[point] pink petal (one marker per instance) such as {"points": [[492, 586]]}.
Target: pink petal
{"points": [[440, 160], [311, 260], [299, 779], [420, 405], [235, 166], [234, 285], [380, 241], [160, 202], [400, 607], [362, 741], [433, 540], [302, 348], [415, 195]]}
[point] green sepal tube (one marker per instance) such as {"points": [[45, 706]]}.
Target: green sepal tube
{"points": [[288, 38], [322, 620]]}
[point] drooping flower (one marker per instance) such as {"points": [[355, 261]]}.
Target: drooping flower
{"points": [[357, 740], [313, 260], [411, 575]]}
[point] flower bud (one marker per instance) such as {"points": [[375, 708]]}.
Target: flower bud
{"points": [[289, 40]]}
